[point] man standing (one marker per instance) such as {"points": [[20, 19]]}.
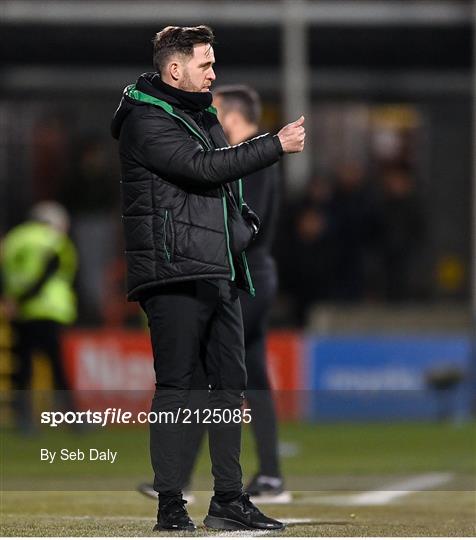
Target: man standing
{"points": [[186, 227], [239, 113]]}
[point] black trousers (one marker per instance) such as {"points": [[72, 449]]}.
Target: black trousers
{"points": [[258, 394], [37, 336], [196, 323]]}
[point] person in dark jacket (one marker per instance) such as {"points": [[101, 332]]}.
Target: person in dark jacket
{"points": [[239, 112], [401, 233], [186, 228]]}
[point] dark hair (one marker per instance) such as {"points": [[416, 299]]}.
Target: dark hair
{"points": [[240, 98], [179, 39]]}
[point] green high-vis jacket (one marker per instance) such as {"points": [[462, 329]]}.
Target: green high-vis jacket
{"points": [[40, 289]]}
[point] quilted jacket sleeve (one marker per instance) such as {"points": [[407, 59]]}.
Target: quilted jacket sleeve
{"points": [[167, 149]]}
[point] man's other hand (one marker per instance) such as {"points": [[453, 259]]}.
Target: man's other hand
{"points": [[292, 136]]}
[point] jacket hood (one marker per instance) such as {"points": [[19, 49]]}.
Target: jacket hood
{"points": [[125, 106], [128, 102], [149, 86]]}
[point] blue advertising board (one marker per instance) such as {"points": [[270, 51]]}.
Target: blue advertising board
{"points": [[385, 377]]}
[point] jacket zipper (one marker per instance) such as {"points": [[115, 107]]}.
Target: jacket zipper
{"points": [[225, 218], [167, 253]]}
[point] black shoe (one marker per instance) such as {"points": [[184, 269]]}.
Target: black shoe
{"points": [[238, 515], [268, 489], [173, 516]]}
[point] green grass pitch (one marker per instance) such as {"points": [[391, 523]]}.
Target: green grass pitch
{"points": [[325, 466]]}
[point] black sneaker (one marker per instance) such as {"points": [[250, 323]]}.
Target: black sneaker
{"points": [[268, 489], [238, 515], [173, 516]]}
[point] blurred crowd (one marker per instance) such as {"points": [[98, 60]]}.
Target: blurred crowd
{"points": [[351, 237]]}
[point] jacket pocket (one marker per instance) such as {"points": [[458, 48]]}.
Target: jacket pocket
{"points": [[241, 232], [169, 236]]}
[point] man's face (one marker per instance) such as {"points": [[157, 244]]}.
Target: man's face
{"points": [[196, 73]]}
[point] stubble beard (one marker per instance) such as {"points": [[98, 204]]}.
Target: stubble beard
{"points": [[186, 83]]}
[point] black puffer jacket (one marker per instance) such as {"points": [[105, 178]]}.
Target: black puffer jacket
{"points": [[180, 184]]}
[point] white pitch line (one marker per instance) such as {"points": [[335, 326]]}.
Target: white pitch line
{"points": [[245, 533], [386, 494], [295, 520]]}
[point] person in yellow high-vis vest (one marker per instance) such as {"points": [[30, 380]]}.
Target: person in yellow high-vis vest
{"points": [[38, 264]]}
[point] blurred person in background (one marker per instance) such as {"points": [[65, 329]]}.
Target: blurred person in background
{"points": [[309, 265], [353, 217], [38, 266], [186, 230], [239, 112], [90, 195], [305, 251], [400, 232]]}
